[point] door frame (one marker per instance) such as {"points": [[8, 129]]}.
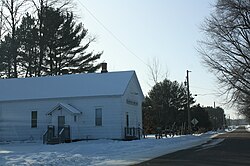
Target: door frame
{"points": [[60, 123]]}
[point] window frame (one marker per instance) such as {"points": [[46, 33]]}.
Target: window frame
{"points": [[127, 119], [34, 118], [98, 116]]}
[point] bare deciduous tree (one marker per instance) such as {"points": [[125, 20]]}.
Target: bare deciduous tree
{"points": [[11, 13], [226, 50], [155, 71]]}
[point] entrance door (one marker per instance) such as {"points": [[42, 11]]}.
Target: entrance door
{"points": [[61, 123]]}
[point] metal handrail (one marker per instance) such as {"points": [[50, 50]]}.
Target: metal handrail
{"points": [[45, 135], [133, 132], [61, 135]]}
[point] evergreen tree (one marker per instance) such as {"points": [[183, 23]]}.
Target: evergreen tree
{"points": [[216, 117], [27, 37], [149, 120], [64, 53], [40, 7], [201, 114], [6, 60], [166, 104]]}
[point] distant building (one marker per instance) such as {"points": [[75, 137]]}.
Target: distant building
{"points": [[237, 122], [71, 107]]}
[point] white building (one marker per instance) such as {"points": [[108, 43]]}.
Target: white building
{"points": [[71, 107]]}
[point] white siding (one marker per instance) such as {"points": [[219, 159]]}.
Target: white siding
{"points": [[132, 94], [111, 125], [16, 121], [16, 118]]}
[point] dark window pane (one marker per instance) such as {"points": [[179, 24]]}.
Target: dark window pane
{"points": [[98, 117], [33, 119]]}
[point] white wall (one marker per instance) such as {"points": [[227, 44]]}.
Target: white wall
{"points": [[111, 112], [133, 94], [15, 118]]}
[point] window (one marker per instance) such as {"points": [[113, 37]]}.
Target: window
{"points": [[127, 119], [33, 119], [75, 118], [98, 116]]}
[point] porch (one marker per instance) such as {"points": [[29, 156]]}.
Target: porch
{"points": [[132, 133], [50, 137]]}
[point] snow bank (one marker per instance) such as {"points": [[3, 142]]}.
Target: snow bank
{"points": [[98, 152], [247, 128]]}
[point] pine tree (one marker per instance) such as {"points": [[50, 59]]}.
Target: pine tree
{"points": [[6, 60], [165, 106], [27, 37], [53, 46], [64, 53]]}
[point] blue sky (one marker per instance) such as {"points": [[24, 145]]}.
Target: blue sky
{"points": [[134, 32]]}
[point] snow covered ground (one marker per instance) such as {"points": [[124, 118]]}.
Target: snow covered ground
{"points": [[247, 127], [95, 152]]}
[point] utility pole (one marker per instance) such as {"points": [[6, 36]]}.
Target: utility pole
{"points": [[188, 103]]}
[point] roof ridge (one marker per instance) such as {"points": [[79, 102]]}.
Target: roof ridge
{"points": [[64, 75]]}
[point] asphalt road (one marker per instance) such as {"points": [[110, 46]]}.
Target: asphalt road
{"points": [[230, 149]]}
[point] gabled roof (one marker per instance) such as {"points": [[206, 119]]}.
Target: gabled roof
{"points": [[74, 85], [66, 107]]}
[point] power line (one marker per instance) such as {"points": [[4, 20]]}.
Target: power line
{"points": [[205, 94], [111, 33], [202, 88]]}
